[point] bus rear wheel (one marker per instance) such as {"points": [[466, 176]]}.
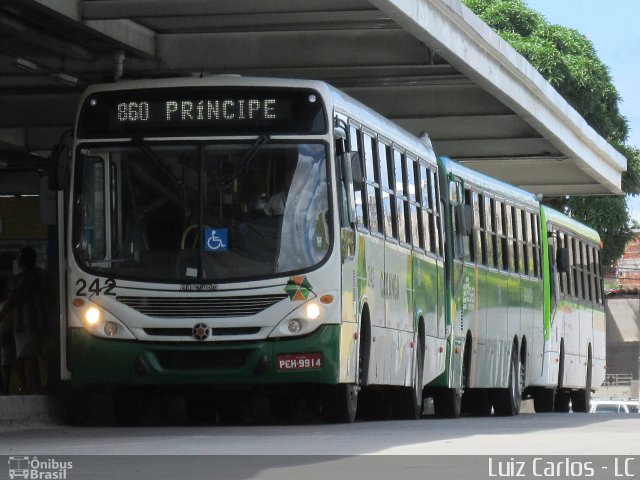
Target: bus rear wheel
{"points": [[506, 401], [476, 402], [544, 399], [581, 399], [131, 406], [407, 403], [341, 403], [447, 402]]}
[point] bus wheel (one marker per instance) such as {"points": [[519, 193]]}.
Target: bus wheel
{"points": [[407, 403], [130, 406], [544, 399], [201, 409], [230, 410], [447, 402], [561, 403], [341, 403], [476, 402], [581, 399], [506, 401]]}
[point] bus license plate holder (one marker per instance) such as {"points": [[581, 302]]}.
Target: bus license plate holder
{"points": [[300, 361]]}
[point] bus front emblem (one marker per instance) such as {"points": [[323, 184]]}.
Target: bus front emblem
{"points": [[201, 331]]}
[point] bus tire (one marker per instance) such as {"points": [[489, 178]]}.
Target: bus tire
{"points": [[476, 402], [130, 406], [544, 400], [230, 410], [407, 403], [201, 409], [341, 403], [561, 402], [581, 399], [447, 402], [506, 401]]}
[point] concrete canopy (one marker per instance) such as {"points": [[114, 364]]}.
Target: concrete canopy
{"points": [[426, 64]]}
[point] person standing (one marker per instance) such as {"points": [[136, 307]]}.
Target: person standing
{"points": [[29, 303]]}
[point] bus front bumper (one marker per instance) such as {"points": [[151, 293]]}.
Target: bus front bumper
{"points": [[112, 363]]}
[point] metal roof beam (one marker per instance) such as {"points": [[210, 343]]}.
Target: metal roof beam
{"points": [[124, 34], [112, 9], [236, 51], [476, 50]]}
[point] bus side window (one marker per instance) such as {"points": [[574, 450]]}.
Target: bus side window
{"points": [[341, 149], [410, 196], [586, 272], [417, 235], [374, 210], [355, 145], [469, 244], [477, 253], [407, 221], [490, 229], [571, 274], [496, 213], [537, 259], [388, 197], [525, 234], [600, 285], [577, 270]]}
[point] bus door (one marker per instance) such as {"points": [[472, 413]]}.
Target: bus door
{"points": [[461, 274], [349, 184]]}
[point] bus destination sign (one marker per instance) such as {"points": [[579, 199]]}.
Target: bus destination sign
{"points": [[201, 111]]}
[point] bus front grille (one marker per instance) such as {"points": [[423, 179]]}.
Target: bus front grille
{"points": [[201, 307], [188, 332], [202, 360]]}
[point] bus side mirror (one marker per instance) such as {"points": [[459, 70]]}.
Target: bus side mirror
{"points": [[58, 167], [562, 260], [464, 218], [351, 176], [356, 170]]}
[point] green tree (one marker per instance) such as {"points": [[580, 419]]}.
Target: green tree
{"points": [[568, 61]]}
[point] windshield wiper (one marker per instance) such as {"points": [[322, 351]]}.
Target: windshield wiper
{"points": [[258, 145], [146, 149]]}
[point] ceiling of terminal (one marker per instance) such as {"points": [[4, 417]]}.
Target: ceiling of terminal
{"points": [[426, 64]]}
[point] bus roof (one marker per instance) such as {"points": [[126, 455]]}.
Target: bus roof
{"points": [[339, 100], [209, 81], [365, 115], [490, 185], [568, 223]]}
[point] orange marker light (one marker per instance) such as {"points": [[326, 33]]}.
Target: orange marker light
{"points": [[326, 299], [78, 302]]}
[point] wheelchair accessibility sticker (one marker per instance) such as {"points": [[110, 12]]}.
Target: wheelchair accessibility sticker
{"points": [[215, 239]]}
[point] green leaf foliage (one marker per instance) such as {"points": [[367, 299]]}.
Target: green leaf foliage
{"points": [[569, 62], [610, 216]]}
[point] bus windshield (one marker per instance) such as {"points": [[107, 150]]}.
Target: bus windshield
{"points": [[198, 211]]}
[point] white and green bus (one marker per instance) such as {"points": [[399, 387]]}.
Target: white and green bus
{"points": [[518, 327], [228, 234]]}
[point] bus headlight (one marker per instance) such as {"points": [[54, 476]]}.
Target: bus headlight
{"points": [[306, 318], [294, 325], [101, 323], [92, 316], [110, 329], [312, 311]]}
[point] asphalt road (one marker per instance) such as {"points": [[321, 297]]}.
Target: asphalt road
{"points": [[527, 434]]}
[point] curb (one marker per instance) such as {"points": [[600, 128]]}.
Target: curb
{"points": [[19, 409]]}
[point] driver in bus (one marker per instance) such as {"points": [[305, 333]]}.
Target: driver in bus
{"points": [[276, 204]]}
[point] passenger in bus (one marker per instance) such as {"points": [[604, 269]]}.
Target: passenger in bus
{"points": [[30, 301], [276, 204], [7, 348]]}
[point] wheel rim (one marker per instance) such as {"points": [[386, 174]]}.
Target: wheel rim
{"points": [[417, 380], [517, 381]]}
